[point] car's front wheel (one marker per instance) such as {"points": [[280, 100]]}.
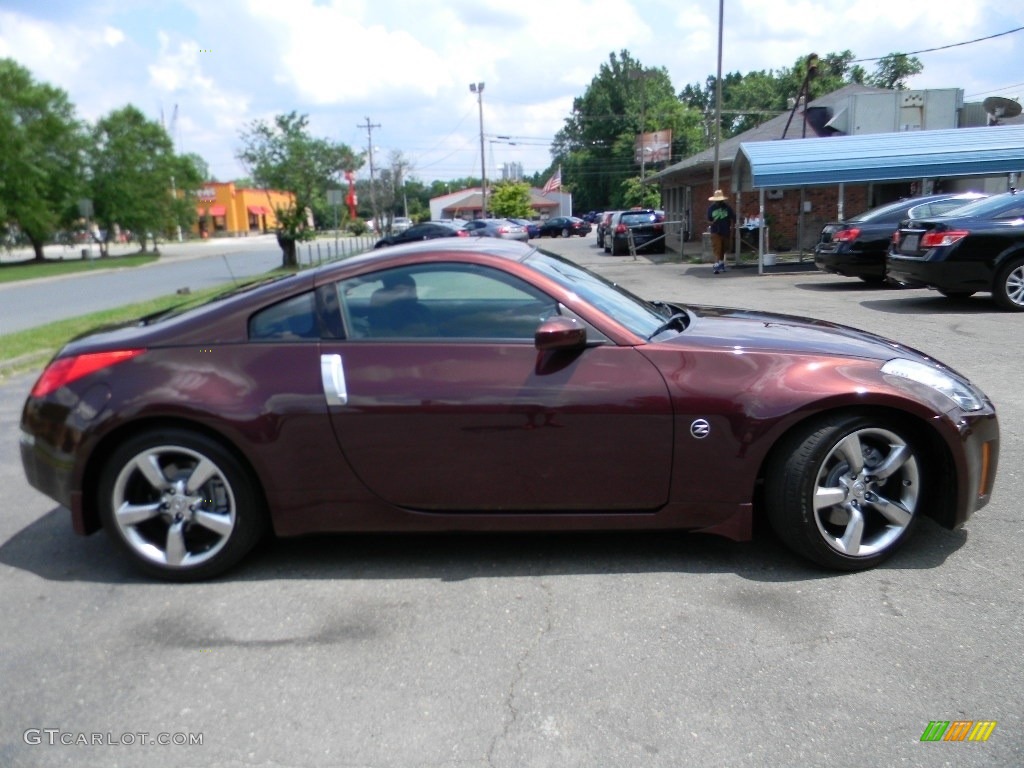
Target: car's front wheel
{"points": [[566, 232], [180, 505], [1008, 290], [845, 491]]}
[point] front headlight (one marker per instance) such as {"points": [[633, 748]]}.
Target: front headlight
{"points": [[961, 392]]}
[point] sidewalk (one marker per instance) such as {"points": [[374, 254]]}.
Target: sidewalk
{"points": [[698, 261]]}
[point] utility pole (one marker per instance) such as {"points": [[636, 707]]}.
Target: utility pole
{"points": [[373, 185], [478, 89]]}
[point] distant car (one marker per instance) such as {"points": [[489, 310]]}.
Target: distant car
{"points": [[601, 226], [475, 384], [857, 247], [506, 229], [400, 224], [532, 227], [428, 230], [646, 226], [564, 226], [979, 247]]}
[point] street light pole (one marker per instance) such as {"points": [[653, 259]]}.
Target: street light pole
{"points": [[478, 89]]}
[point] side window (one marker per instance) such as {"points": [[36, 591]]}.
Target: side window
{"points": [[443, 301], [291, 319]]}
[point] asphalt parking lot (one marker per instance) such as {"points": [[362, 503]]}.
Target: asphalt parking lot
{"points": [[554, 650]]}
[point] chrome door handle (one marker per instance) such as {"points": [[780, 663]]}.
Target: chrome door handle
{"points": [[332, 373]]}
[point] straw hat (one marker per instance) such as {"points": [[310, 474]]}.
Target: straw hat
{"points": [[719, 195]]}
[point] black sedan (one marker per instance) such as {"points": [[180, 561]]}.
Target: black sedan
{"points": [[428, 230], [857, 247], [980, 247], [564, 226], [477, 384]]}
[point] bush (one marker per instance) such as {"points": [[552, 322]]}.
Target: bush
{"points": [[357, 227]]}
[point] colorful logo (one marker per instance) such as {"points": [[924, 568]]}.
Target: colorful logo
{"points": [[958, 730]]}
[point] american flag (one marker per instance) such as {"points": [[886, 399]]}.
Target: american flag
{"points": [[555, 182]]}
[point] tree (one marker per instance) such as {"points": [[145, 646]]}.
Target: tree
{"points": [[893, 70], [636, 194], [596, 147], [509, 199], [41, 155], [282, 155], [131, 168]]}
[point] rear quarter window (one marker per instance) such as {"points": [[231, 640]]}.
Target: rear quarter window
{"points": [[291, 319]]}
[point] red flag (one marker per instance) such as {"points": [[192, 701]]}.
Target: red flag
{"points": [[555, 182]]}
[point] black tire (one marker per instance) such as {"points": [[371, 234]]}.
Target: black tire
{"points": [[1008, 289], [957, 294], [566, 232], [873, 279], [871, 516], [216, 523], [616, 251]]}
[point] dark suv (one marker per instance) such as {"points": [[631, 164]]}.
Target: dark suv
{"points": [[646, 226], [857, 247], [980, 247]]}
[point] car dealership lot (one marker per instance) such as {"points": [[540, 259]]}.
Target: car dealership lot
{"points": [[592, 650]]}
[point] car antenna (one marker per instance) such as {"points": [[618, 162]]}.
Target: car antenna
{"points": [[228, 265]]}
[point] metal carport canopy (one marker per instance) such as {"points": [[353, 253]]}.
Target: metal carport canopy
{"points": [[879, 157]]}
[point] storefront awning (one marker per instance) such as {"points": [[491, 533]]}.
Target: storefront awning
{"points": [[259, 210], [213, 210]]}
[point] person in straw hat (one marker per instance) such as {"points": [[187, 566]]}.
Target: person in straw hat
{"points": [[721, 218]]}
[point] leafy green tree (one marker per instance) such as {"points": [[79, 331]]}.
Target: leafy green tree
{"points": [[509, 199], [131, 169], [283, 155], [636, 194], [41, 155], [893, 70], [596, 147]]}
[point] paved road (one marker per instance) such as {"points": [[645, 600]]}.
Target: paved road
{"points": [[194, 265], [570, 650]]}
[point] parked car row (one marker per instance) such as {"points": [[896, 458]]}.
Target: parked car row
{"points": [[957, 244], [505, 229], [857, 247]]}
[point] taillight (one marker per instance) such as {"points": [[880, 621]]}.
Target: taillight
{"points": [[68, 369], [935, 239], [503, 230], [846, 235], [462, 233], [620, 229]]}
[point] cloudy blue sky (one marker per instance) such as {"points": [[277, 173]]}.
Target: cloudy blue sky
{"points": [[406, 65]]}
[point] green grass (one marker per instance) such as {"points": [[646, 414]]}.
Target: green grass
{"points": [[25, 350], [28, 270]]}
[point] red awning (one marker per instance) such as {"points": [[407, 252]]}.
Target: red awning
{"points": [[259, 210], [214, 210]]}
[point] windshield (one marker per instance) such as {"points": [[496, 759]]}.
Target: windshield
{"points": [[639, 316], [884, 212]]}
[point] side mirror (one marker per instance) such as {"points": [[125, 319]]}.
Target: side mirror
{"points": [[560, 333]]}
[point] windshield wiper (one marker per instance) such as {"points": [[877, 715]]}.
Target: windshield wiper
{"points": [[679, 318]]}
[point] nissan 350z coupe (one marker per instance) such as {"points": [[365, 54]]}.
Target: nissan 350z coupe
{"points": [[480, 384]]}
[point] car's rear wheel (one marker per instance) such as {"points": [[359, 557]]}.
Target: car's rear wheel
{"points": [[566, 232], [180, 505], [845, 491], [1008, 290]]}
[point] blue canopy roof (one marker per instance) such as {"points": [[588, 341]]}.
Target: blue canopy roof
{"points": [[812, 162]]}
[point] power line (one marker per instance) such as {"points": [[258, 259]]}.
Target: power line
{"points": [[941, 47]]}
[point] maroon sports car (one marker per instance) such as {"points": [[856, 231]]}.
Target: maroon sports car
{"points": [[458, 385]]}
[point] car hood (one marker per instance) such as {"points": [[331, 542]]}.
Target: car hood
{"points": [[763, 331]]}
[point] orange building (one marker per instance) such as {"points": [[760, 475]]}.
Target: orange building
{"points": [[224, 209]]}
